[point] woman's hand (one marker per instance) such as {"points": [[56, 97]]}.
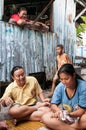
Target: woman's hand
{"points": [[63, 116], [60, 115], [47, 100], [55, 115], [39, 104]]}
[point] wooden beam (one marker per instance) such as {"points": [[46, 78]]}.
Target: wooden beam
{"points": [[81, 3], [84, 2], [79, 15], [43, 11]]}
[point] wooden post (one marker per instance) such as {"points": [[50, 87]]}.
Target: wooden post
{"points": [[1, 8], [43, 11]]}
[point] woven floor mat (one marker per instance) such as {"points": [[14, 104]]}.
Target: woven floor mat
{"points": [[27, 125]]}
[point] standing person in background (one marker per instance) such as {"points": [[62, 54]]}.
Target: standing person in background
{"points": [[62, 58], [21, 19], [68, 103], [22, 94]]}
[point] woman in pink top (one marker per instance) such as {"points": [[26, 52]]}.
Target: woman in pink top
{"points": [[21, 19]]}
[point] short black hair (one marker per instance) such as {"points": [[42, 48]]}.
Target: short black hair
{"points": [[15, 68], [60, 45], [22, 9], [68, 69]]}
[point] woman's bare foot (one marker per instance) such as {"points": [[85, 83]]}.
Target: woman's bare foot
{"points": [[3, 125]]}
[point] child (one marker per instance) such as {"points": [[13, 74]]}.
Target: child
{"points": [[62, 58]]}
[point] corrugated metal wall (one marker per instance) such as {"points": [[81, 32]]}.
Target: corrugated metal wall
{"points": [[33, 50], [64, 25]]}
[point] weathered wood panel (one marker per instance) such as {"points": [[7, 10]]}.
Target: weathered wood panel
{"points": [[33, 50]]}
